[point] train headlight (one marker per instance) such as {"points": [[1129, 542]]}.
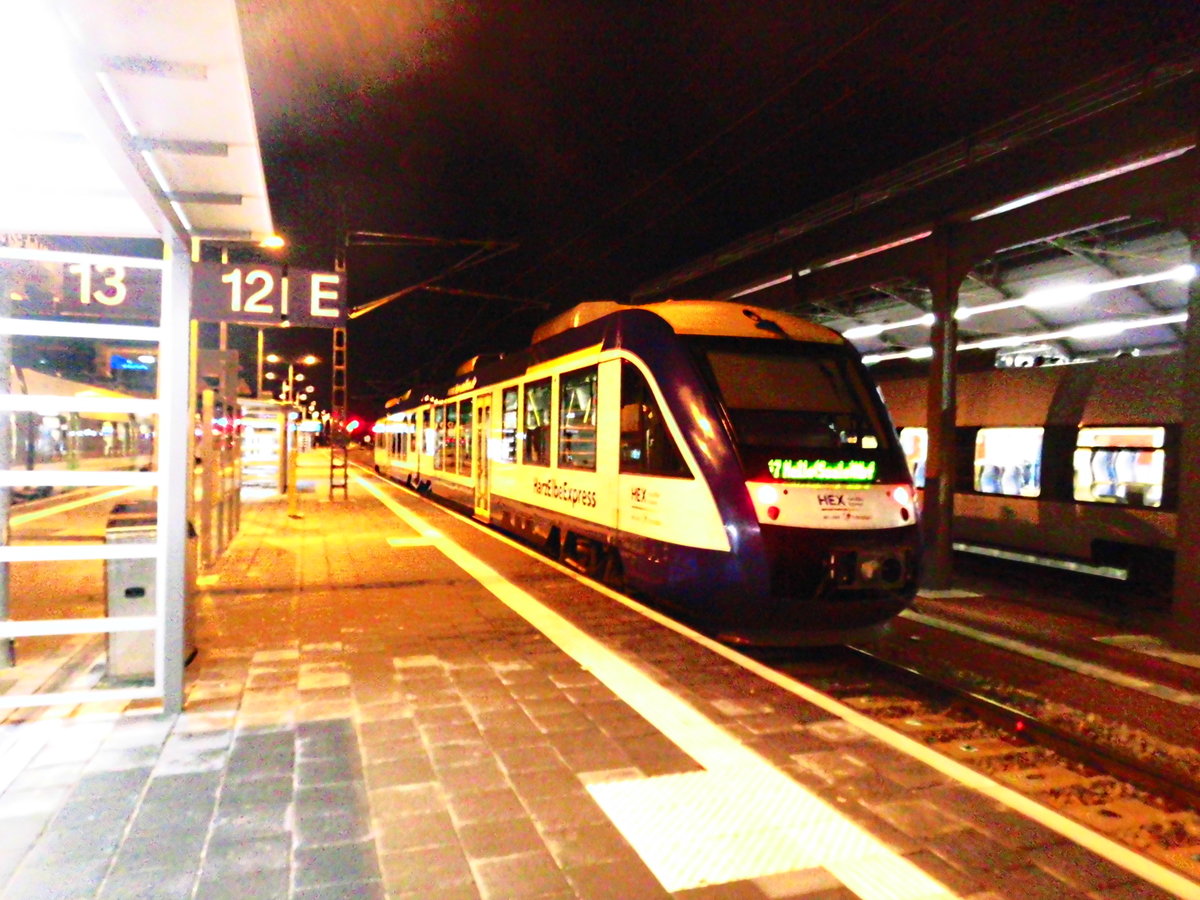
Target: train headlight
{"points": [[768, 494]]}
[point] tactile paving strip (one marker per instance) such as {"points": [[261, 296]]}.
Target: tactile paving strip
{"points": [[703, 828]]}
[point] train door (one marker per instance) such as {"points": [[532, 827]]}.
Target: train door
{"points": [[483, 461]]}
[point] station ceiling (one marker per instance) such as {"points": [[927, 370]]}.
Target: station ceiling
{"points": [[1113, 288], [128, 119]]}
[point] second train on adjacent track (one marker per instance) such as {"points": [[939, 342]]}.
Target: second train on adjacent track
{"points": [[1075, 466], [732, 463]]}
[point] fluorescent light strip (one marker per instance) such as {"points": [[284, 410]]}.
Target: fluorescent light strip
{"points": [[114, 98], [1086, 331], [837, 262], [766, 284], [880, 249], [1078, 183], [1078, 332], [1061, 296], [861, 331], [1042, 299], [95, 330]]}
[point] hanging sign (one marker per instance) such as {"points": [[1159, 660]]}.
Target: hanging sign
{"points": [[60, 285], [251, 294]]}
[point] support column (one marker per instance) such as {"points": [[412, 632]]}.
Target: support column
{"points": [[7, 657], [941, 409], [1185, 597], [176, 380]]}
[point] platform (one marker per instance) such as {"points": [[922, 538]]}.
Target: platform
{"points": [[388, 701]]}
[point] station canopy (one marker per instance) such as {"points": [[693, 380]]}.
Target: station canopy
{"points": [[128, 119], [1113, 288]]}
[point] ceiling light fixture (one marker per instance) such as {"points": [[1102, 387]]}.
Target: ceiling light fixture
{"points": [[1066, 294], [861, 331], [1086, 331]]}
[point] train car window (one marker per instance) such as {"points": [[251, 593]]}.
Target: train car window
{"points": [[466, 437], [537, 423], [439, 437], [647, 447], [410, 436], [915, 441], [429, 432], [450, 438], [79, 440], [577, 419], [508, 426], [1120, 465], [785, 395], [1009, 461]]}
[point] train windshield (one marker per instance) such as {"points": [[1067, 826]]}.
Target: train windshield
{"points": [[787, 395]]}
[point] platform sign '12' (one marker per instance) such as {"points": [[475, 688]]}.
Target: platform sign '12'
{"points": [[251, 294]]}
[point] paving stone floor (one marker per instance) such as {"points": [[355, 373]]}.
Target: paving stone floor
{"points": [[364, 719]]}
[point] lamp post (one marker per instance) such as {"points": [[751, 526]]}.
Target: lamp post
{"points": [[293, 425], [293, 376]]}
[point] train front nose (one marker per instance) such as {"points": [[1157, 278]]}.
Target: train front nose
{"points": [[842, 559]]}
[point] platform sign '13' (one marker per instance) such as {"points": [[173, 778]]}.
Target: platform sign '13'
{"points": [[251, 294]]}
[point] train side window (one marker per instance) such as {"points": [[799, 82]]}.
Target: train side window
{"points": [[577, 419], [450, 437], [915, 441], [1009, 461], [508, 426], [537, 423], [647, 447], [465, 437], [1120, 465], [429, 427]]}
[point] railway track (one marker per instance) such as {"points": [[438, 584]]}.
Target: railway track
{"points": [[1132, 799]]}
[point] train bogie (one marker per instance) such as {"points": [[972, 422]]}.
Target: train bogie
{"points": [[636, 443]]}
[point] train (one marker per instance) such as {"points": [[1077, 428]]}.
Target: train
{"points": [[73, 440], [1074, 465], [732, 464]]}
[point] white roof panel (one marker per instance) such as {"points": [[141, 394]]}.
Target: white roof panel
{"points": [[128, 117]]}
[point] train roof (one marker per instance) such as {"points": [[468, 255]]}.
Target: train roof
{"points": [[1127, 390], [688, 317], [715, 317]]}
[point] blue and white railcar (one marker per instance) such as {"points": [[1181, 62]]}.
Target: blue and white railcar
{"points": [[732, 462]]}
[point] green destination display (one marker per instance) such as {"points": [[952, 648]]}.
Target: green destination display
{"points": [[822, 469]]}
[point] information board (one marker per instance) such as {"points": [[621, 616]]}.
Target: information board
{"points": [[56, 285], [252, 294]]}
